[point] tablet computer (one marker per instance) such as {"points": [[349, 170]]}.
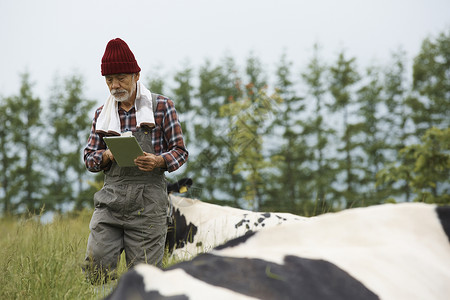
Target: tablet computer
{"points": [[125, 149]]}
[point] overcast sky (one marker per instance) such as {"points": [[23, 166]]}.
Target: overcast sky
{"points": [[49, 37]]}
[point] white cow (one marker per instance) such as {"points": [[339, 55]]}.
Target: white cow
{"points": [[388, 251], [199, 226]]}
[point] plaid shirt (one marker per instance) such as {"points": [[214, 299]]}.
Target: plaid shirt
{"points": [[167, 137]]}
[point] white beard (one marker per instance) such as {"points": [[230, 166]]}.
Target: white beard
{"points": [[125, 96], [122, 97]]}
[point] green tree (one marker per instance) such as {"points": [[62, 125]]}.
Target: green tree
{"points": [[255, 77], [8, 157], [315, 127], [68, 121], [182, 94], [396, 122], [213, 159], [209, 163], [26, 127], [288, 183], [344, 76], [431, 79], [370, 99], [246, 132], [229, 183], [425, 167]]}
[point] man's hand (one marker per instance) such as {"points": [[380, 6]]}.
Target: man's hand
{"points": [[148, 162], [107, 156]]}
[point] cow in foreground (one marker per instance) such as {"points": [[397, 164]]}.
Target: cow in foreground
{"points": [[388, 251]]}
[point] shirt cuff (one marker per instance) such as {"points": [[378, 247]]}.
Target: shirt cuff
{"points": [[171, 163], [94, 162]]}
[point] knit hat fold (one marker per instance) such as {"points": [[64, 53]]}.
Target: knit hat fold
{"points": [[118, 59]]}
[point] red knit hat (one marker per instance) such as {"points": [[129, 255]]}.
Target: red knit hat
{"points": [[118, 58]]}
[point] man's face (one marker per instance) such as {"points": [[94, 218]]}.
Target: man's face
{"points": [[122, 86]]}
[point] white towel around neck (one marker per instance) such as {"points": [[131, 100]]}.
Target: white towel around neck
{"points": [[108, 121]]}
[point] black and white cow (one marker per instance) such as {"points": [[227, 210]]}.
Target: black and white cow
{"points": [[388, 251], [199, 226]]}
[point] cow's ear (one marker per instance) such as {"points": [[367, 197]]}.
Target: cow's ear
{"points": [[185, 184]]}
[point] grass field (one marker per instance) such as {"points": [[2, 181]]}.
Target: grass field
{"points": [[42, 261]]}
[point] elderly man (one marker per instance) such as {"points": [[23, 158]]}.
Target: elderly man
{"points": [[131, 209]]}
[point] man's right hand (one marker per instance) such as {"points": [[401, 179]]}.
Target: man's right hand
{"points": [[107, 156]]}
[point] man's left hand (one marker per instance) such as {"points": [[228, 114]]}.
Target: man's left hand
{"points": [[148, 162]]}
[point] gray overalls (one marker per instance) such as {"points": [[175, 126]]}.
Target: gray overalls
{"points": [[130, 214]]}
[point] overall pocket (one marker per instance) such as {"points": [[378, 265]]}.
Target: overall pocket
{"points": [[124, 198], [156, 204]]}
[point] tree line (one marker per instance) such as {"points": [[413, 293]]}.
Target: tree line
{"points": [[327, 137]]}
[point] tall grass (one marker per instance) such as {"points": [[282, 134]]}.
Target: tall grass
{"points": [[42, 261]]}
